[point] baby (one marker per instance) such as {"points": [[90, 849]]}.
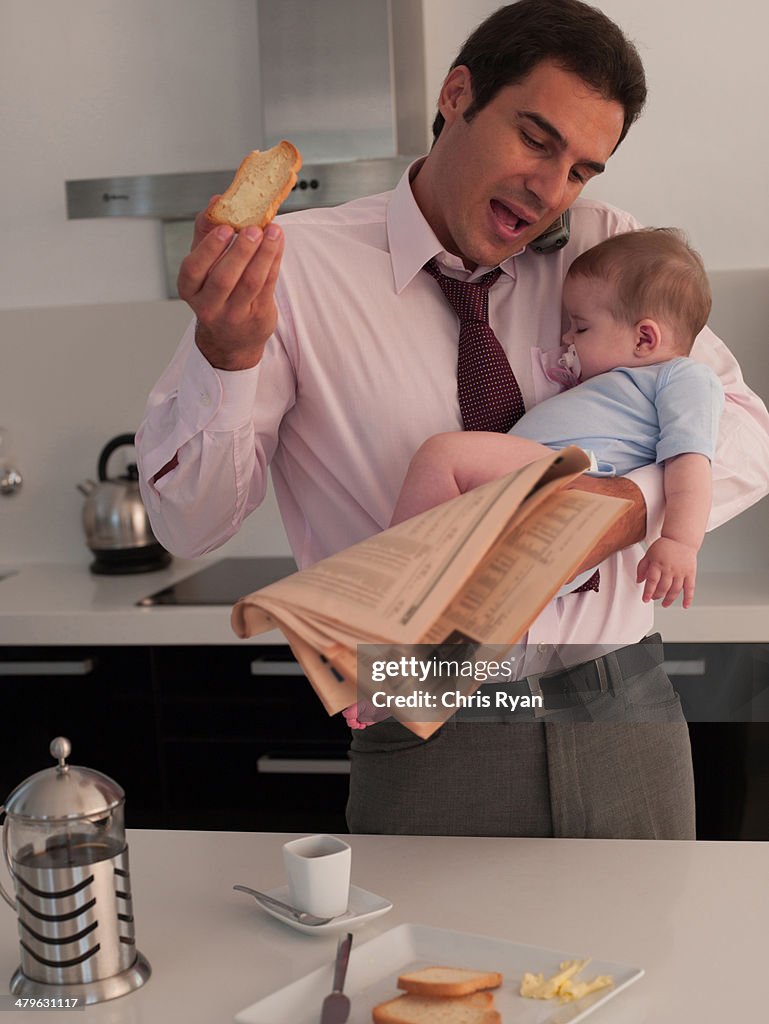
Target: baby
{"points": [[635, 304]]}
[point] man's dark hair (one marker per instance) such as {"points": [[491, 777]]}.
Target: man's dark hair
{"points": [[578, 38]]}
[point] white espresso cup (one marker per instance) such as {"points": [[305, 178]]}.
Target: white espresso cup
{"points": [[318, 871]]}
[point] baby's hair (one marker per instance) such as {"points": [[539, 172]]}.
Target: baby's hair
{"points": [[657, 275]]}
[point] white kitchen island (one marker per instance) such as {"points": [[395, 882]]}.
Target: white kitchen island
{"points": [[692, 915]]}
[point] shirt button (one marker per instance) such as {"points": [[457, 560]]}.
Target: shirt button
{"points": [[541, 648], [205, 398]]}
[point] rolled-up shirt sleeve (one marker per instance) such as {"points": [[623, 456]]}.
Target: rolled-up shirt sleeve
{"points": [[222, 428], [741, 462]]}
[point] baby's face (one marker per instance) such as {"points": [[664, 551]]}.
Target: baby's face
{"points": [[602, 343]]}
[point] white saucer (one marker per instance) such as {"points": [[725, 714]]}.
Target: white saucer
{"points": [[362, 906]]}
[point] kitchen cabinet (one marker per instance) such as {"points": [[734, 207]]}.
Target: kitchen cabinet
{"points": [[245, 743], [100, 698], [724, 691], [232, 737], [199, 737]]}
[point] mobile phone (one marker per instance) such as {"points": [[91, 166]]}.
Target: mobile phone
{"points": [[555, 237]]}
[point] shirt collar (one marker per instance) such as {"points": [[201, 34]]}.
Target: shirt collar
{"points": [[413, 242]]}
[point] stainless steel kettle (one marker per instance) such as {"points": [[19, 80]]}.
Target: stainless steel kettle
{"points": [[116, 524]]}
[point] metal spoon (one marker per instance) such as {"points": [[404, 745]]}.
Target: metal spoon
{"points": [[298, 915]]}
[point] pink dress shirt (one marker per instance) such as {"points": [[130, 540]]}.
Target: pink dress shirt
{"points": [[362, 369]]}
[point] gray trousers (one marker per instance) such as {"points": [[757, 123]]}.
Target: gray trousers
{"points": [[615, 764]]}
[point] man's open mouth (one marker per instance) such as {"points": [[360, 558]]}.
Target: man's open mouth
{"points": [[508, 221]]}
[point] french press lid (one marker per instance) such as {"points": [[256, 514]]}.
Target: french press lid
{"points": [[64, 792]]}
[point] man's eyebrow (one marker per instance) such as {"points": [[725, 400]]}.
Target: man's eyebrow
{"points": [[555, 135]]}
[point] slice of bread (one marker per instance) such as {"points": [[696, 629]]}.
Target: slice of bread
{"points": [[260, 185], [448, 981], [411, 1009]]}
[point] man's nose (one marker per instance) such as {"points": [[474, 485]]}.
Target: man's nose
{"points": [[548, 184]]}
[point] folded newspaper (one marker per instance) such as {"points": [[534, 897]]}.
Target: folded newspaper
{"points": [[472, 572]]}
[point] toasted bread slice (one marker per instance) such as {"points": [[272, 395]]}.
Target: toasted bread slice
{"points": [[448, 981], [411, 1009], [260, 185]]}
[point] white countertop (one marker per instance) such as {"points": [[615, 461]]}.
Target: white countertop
{"points": [[729, 607], [59, 603], [692, 915]]}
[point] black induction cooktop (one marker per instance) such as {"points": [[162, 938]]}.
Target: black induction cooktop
{"points": [[224, 582]]}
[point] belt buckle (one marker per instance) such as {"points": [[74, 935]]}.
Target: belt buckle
{"points": [[536, 691]]}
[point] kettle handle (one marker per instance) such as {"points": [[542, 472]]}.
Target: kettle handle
{"points": [[109, 448], [11, 902]]}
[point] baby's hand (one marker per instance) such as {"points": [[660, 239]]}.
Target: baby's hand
{"points": [[363, 714], [668, 567]]}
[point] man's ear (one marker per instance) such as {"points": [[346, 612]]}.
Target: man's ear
{"points": [[648, 339], [456, 93]]}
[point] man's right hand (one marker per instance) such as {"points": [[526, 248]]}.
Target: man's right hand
{"points": [[230, 286]]}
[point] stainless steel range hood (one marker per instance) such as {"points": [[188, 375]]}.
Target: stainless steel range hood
{"points": [[344, 80], [182, 196]]}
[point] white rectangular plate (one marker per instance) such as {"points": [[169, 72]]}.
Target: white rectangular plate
{"points": [[375, 966]]}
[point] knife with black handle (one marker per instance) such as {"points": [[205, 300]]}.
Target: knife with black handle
{"points": [[336, 1005]]}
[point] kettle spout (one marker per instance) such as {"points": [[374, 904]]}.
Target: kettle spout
{"points": [[86, 487]]}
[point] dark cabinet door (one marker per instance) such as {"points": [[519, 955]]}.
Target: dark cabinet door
{"points": [[101, 699], [246, 744], [198, 737], [724, 690], [234, 738]]}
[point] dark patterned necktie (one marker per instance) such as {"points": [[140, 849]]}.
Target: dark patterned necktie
{"points": [[489, 395]]}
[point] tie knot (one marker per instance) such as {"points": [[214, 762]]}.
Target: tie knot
{"points": [[469, 299]]}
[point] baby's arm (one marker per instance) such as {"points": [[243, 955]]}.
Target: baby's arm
{"points": [[670, 564], [450, 464]]}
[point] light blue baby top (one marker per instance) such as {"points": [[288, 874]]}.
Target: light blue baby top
{"points": [[631, 417]]}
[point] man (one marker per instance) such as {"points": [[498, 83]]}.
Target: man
{"points": [[333, 360]]}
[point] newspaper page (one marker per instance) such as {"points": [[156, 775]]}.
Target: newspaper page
{"points": [[492, 611], [397, 582], [476, 570]]}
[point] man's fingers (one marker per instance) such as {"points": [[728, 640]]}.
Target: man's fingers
{"points": [[217, 280], [203, 226], [199, 262], [253, 293], [233, 288]]}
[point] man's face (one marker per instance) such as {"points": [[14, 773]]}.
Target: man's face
{"points": [[601, 341], [492, 185]]}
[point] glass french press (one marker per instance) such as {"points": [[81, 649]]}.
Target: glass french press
{"points": [[65, 847]]}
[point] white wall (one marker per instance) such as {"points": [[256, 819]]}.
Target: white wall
{"points": [[95, 88], [92, 88], [698, 158], [73, 378]]}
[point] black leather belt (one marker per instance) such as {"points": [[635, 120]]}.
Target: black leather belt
{"points": [[604, 673], [560, 690]]}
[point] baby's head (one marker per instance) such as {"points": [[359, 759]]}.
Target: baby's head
{"points": [[635, 299]]}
